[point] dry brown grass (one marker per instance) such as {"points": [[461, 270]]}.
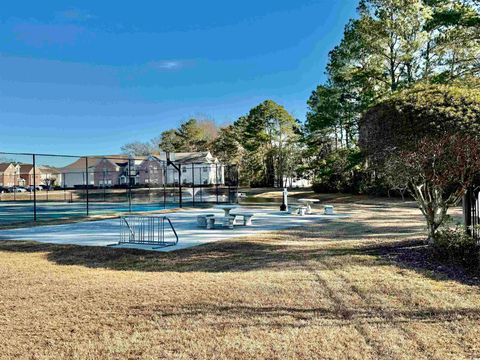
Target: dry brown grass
{"points": [[335, 290]]}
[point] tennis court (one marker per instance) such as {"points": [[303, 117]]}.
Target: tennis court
{"points": [[18, 212], [22, 211]]}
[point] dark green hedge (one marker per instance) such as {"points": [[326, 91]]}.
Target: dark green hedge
{"points": [[425, 110]]}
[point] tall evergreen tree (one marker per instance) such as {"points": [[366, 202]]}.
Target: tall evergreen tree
{"points": [[269, 134]]}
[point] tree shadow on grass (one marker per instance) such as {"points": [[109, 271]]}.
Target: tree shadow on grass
{"points": [[419, 257], [223, 256], [249, 255]]}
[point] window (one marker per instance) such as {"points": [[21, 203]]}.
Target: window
{"points": [[205, 169], [184, 169]]}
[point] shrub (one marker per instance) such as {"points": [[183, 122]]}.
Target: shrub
{"points": [[426, 139], [400, 121], [453, 244]]}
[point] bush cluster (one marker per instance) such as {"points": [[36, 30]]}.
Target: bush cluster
{"points": [[421, 111], [454, 244], [340, 171], [344, 171]]}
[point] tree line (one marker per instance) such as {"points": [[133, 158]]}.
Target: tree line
{"points": [[262, 143], [390, 45]]}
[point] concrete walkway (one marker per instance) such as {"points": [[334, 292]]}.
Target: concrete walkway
{"points": [[106, 232]]}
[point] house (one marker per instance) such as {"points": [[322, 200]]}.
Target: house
{"points": [[151, 171], [131, 173], [103, 171], [297, 182], [22, 175], [50, 176], [200, 168], [111, 170], [107, 172], [29, 176], [9, 174], [74, 175]]}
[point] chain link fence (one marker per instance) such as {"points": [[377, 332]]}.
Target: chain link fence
{"points": [[43, 187]]}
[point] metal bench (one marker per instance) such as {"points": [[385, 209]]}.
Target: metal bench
{"points": [[298, 210]]}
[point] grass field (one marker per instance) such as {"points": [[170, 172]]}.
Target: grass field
{"points": [[363, 287]]}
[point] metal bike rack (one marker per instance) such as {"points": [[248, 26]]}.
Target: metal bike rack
{"points": [[147, 230]]}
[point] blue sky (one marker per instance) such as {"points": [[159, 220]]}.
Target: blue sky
{"points": [[86, 77]]}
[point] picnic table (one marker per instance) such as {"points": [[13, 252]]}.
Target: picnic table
{"points": [[308, 203], [227, 208]]}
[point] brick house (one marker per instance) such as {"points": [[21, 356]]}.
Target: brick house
{"points": [[151, 171], [200, 168], [103, 171], [107, 172], [27, 177], [9, 174]]}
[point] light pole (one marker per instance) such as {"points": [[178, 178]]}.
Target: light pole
{"points": [[284, 205], [178, 168]]}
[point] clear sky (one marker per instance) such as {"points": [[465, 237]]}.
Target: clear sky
{"points": [[85, 77]]}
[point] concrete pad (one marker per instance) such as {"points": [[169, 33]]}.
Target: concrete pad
{"points": [[107, 232]]}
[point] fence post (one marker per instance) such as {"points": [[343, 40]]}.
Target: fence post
{"points": [[476, 214], [193, 184], [228, 181], [237, 180], [34, 189], [104, 180], [467, 210], [148, 171], [216, 181], [201, 185], [129, 186], [164, 189], [180, 183], [16, 183], [86, 184]]}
